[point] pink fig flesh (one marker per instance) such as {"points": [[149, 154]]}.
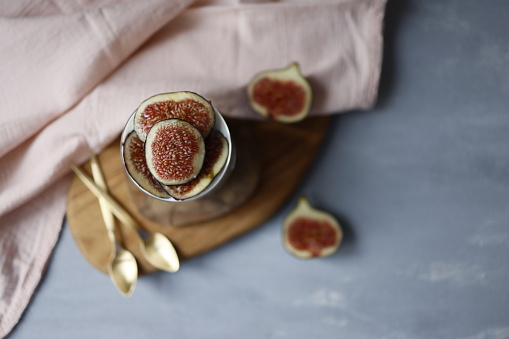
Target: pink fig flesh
{"points": [[311, 233], [283, 94], [174, 151], [136, 165], [216, 154], [187, 106]]}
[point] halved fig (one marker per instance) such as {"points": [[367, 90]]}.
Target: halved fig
{"points": [[174, 151], [283, 94], [134, 157], [216, 153], [187, 106], [310, 233]]}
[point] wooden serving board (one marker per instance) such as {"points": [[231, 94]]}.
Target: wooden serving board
{"points": [[286, 152]]}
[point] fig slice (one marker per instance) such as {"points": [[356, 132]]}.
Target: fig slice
{"points": [[134, 159], [282, 94], [310, 233], [216, 154], [175, 151], [184, 105]]}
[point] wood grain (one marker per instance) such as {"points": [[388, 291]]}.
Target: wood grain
{"points": [[286, 153]]}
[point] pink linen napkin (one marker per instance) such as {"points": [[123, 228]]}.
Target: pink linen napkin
{"points": [[74, 72]]}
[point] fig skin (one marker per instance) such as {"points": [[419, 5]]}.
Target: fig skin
{"points": [[297, 94], [325, 238], [216, 154], [136, 166], [183, 105], [174, 151]]}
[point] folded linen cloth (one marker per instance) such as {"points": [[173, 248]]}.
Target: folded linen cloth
{"points": [[74, 72]]}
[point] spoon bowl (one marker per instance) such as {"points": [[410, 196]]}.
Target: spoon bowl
{"points": [[156, 248], [123, 271], [122, 267], [159, 252]]}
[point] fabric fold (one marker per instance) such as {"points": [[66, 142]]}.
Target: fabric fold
{"points": [[75, 74], [64, 57]]}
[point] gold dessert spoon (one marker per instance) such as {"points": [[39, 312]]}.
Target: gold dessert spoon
{"points": [[156, 248], [122, 268]]}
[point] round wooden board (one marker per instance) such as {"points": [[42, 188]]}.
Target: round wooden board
{"points": [[286, 152]]}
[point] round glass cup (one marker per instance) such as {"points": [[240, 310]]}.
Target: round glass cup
{"points": [[230, 188]]}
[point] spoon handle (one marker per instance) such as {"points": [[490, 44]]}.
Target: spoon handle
{"points": [[99, 179], [114, 206], [155, 240]]}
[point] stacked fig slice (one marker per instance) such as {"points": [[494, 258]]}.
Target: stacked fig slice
{"points": [[173, 150], [216, 152]]}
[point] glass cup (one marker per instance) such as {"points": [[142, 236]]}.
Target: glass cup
{"points": [[230, 188]]}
